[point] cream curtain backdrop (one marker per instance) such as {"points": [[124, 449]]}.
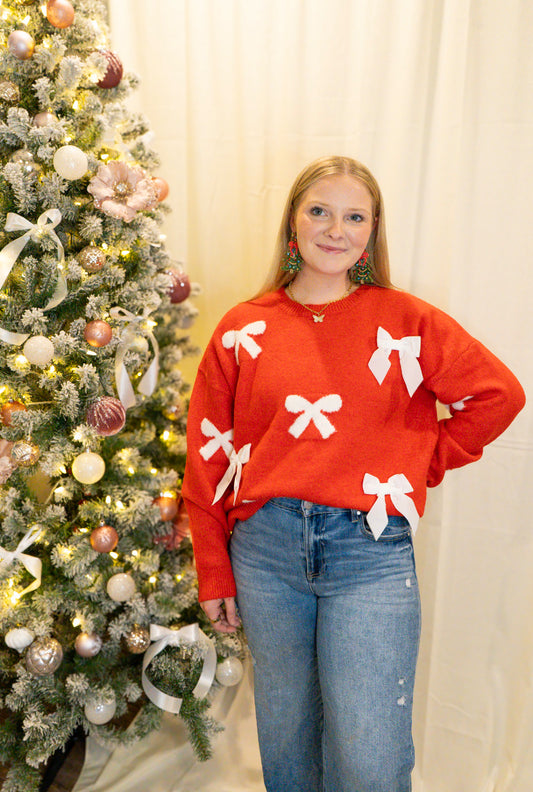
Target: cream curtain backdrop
{"points": [[436, 97]]}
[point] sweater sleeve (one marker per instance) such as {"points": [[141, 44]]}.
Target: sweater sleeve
{"points": [[209, 444], [482, 394]]}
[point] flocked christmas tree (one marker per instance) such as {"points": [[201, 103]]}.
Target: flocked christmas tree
{"points": [[94, 318]]}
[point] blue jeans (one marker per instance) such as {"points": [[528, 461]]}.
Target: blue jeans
{"points": [[332, 618]]}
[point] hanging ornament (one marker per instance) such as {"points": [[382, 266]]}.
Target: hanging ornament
{"points": [[91, 258], [121, 587], [230, 671], [180, 287], [114, 70], [180, 529], [21, 44], [7, 410], [174, 412], [9, 92], [138, 639], [88, 468], [71, 162], [44, 118], [38, 350], [44, 656], [161, 187], [104, 538], [24, 158], [59, 13], [100, 710], [19, 638], [87, 644], [107, 416], [168, 505], [98, 333], [25, 454]]}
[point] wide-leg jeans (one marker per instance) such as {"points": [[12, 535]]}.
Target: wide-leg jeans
{"points": [[332, 619]]}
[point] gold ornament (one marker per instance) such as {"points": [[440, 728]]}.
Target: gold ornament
{"points": [[44, 656], [60, 13], [44, 118], [91, 258], [98, 333], [21, 44], [174, 412], [9, 92], [138, 639], [7, 410], [168, 505], [25, 454]]}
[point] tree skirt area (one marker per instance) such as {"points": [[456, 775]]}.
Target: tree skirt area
{"points": [[164, 760]]}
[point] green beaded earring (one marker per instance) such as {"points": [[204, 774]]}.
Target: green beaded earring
{"points": [[292, 260], [361, 271]]}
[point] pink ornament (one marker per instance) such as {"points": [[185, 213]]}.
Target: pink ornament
{"points": [[161, 187], [107, 416], [180, 287], [98, 333], [60, 13], [121, 190], [114, 70]]}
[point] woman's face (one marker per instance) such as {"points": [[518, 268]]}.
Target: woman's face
{"points": [[333, 223]]}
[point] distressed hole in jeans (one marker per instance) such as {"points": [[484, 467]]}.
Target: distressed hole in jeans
{"points": [[408, 582], [401, 702]]}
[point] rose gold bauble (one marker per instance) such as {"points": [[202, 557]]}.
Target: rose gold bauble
{"points": [[98, 333], [107, 416], [138, 639], [44, 656], [7, 410], [44, 118], [168, 506], [60, 13], [114, 71], [91, 258], [104, 539], [88, 644], [161, 187], [21, 44], [180, 287]]}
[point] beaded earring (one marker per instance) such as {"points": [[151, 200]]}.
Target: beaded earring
{"points": [[361, 271], [292, 261]]}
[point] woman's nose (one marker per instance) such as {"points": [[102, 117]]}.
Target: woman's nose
{"points": [[336, 227]]}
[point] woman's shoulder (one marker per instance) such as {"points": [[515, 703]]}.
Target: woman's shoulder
{"points": [[249, 311]]}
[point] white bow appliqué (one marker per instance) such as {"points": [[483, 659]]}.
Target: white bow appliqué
{"points": [[409, 350], [223, 440], [313, 411], [238, 338], [397, 488], [236, 460]]}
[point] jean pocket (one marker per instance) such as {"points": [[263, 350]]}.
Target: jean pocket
{"points": [[397, 530]]}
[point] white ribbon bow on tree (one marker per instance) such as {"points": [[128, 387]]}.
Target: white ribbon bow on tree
{"points": [[408, 349], [163, 636], [9, 254], [396, 488], [234, 471], [136, 327], [32, 564]]}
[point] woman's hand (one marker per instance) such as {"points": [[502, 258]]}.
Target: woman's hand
{"points": [[222, 613]]}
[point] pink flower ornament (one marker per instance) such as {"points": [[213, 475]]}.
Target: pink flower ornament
{"points": [[121, 190]]}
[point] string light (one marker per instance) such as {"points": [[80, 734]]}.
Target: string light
{"points": [[15, 598], [113, 555], [76, 621], [108, 499], [166, 435], [131, 471], [154, 471], [75, 105], [120, 506], [152, 579], [26, 19]]}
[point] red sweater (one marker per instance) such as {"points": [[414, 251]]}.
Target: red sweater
{"points": [[328, 412]]}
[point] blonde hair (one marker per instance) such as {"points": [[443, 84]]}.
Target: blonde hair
{"points": [[320, 168]]}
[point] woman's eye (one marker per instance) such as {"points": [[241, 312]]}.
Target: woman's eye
{"points": [[356, 218], [317, 211]]}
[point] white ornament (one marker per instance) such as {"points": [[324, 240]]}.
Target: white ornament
{"points": [[38, 350], [230, 671], [88, 467], [100, 711], [71, 162], [121, 587], [19, 638]]}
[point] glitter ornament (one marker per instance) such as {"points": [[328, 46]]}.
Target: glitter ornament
{"points": [[98, 333], [180, 287], [168, 505], [174, 412], [21, 44], [138, 639], [107, 416], [87, 644], [91, 258], [114, 70], [7, 410], [9, 92], [230, 671], [100, 711], [38, 350], [25, 454], [44, 656], [121, 587], [104, 538], [44, 119], [88, 468], [19, 638], [59, 13], [71, 162], [161, 187]]}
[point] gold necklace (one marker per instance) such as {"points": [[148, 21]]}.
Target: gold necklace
{"points": [[318, 316]]}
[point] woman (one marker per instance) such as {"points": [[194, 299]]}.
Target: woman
{"points": [[312, 436]]}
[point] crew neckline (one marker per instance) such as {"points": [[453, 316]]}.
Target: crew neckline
{"points": [[333, 308]]}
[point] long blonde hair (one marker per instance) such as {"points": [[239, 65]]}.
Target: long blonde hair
{"points": [[377, 246]]}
